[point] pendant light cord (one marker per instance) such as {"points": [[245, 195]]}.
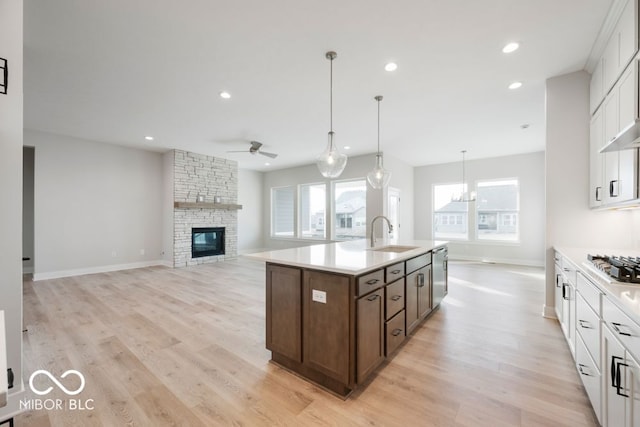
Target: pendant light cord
{"points": [[378, 125], [331, 96]]}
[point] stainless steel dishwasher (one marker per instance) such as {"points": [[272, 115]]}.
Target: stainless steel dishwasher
{"points": [[439, 272]]}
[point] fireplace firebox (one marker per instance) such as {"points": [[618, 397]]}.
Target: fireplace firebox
{"points": [[207, 241]]}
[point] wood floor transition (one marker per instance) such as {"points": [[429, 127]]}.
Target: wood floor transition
{"points": [[160, 346]]}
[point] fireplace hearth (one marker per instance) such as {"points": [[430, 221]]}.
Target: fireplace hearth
{"points": [[207, 241]]}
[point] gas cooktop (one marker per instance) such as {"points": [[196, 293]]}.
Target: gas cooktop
{"points": [[620, 268]]}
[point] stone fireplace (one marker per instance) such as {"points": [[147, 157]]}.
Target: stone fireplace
{"points": [[214, 180]]}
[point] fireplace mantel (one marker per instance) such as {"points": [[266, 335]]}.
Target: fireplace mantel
{"points": [[205, 205]]}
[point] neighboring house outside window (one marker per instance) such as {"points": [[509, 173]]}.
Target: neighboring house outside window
{"points": [[497, 208]]}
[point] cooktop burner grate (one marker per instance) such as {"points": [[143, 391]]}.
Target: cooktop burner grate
{"points": [[623, 269]]}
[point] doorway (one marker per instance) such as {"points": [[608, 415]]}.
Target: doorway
{"points": [[28, 186], [393, 210]]}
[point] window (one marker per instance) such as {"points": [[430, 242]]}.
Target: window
{"points": [[350, 209], [282, 211], [450, 219], [497, 208], [312, 206]]}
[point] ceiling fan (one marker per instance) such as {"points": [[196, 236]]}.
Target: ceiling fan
{"points": [[255, 148]]}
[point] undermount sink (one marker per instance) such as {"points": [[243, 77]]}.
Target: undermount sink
{"points": [[393, 248]]}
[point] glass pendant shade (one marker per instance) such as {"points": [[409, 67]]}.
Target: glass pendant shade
{"points": [[331, 162], [379, 177]]}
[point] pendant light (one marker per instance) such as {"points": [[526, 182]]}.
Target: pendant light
{"points": [[331, 162], [464, 196], [379, 176]]}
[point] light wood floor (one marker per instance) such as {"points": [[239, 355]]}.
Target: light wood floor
{"points": [[163, 346]]}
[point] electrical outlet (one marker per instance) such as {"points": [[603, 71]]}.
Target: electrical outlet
{"points": [[114, 254], [319, 296]]}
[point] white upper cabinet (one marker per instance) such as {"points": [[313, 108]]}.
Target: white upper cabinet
{"points": [[596, 178], [622, 46], [596, 89]]}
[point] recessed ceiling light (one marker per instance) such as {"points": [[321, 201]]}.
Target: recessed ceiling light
{"points": [[510, 47], [225, 95], [515, 85], [148, 138], [267, 164], [391, 66], [347, 147], [525, 126]]}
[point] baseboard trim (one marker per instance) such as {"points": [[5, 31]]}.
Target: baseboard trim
{"points": [[509, 261], [549, 312], [100, 269]]}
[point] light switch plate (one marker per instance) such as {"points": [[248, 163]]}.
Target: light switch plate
{"points": [[319, 296]]}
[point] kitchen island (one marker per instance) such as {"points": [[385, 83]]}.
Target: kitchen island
{"points": [[335, 312]]}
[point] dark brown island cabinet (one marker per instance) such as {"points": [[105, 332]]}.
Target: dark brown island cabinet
{"points": [[335, 329]]}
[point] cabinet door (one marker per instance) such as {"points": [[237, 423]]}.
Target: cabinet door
{"points": [[370, 327], [425, 291], [411, 300], [284, 311], [633, 391], [596, 159], [596, 93], [614, 402], [611, 179], [326, 324], [627, 34], [559, 292]]}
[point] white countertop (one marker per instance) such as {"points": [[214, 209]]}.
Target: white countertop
{"points": [[3, 363], [627, 297], [353, 257]]}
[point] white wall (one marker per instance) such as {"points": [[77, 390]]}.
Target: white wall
{"points": [[168, 197], [11, 138], [357, 167], [528, 168], [97, 206], [250, 196], [570, 222]]}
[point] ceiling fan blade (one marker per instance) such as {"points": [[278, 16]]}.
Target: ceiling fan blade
{"points": [[272, 155], [240, 151]]}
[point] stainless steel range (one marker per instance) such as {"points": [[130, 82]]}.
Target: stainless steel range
{"points": [[619, 268]]}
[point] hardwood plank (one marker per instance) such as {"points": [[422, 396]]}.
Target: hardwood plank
{"points": [[161, 346]]}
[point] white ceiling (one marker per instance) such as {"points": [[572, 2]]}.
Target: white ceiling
{"points": [[117, 70]]}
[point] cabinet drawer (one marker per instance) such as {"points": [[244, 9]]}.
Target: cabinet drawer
{"points": [[588, 326], [625, 329], [590, 293], [418, 262], [394, 298], [395, 333], [589, 374], [370, 282], [394, 272]]}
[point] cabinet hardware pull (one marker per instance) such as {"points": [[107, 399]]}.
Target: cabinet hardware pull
{"points": [[373, 297], [617, 328], [558, 276], [396, 271], [613, 189], [372, 281], [583, 371], [618, 375], [396, 332], [396, 297], [613, 371], [583, 323], [420, 280], [598, 195], [564, 292], [566, 269]]}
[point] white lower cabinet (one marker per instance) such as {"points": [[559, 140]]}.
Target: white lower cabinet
{"points": [[590, 376], [614, 402]]}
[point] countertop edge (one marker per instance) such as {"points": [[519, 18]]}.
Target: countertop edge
{"points": [[268, 257], [610, 290]]}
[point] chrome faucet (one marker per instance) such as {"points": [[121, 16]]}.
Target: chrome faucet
{"points": [[373, 221]]}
